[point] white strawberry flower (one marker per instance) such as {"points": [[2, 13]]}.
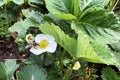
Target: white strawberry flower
{"points": [[45, 43], [29, 38], [76, 66]]}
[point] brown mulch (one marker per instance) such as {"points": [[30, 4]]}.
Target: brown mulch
{"points": [[9, 50]]}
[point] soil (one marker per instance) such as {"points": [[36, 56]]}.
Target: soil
{"points": [[9, 50]]}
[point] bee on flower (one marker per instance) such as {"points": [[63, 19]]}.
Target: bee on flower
{"points": [[76, 66], [44, 43]]}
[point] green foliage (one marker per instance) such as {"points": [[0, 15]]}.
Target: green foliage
{"points": [[7, 69], [96, 3], [61, 8], [36, 60], [15, 1], [61, 38], [99, 18], [109, 74], [97, 34], [19, 2], [82, 29], [32, 72], [84, 49], [33, 20]]}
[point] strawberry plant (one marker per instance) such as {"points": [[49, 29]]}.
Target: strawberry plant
{"points": [[63, 37]]}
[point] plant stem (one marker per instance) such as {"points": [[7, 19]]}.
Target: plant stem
{"points": [[67, 75], [114, 5], [7, 20]]}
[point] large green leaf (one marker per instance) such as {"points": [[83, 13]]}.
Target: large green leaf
{"points": [[7, 70], [97, 34], [62, 8], [97, 17], [94, 52], [85, 50], [61, 38], [32, 72]]}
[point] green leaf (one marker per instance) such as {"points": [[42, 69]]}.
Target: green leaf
{"points": [[66, 16], [61, 8], [8, 69], [85, 50], [35, 1], [2, 2], [33, 15], [22, 26], [117, 55], [104, 53], [72, 7], [18, 1], [94, 52], [32, 72], [109, 74], [34, 19], [90, 3], [84, 4], [97, 34], [115, 46], [11, 66], [61, 38], [97, 17], [100, 3], [34, 59], [3, 75]]}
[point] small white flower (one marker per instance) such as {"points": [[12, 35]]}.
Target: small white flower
{"points": [[76, 66], [29, 38], [45, 43]]}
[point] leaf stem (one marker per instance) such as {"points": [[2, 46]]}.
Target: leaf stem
{"points": [[115, 3], [7, 20], [67, 75]]}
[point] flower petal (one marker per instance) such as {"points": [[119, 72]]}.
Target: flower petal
{"points": [[52, 47], [40, 37], [37, 51], [50, 38], [28, 46]]}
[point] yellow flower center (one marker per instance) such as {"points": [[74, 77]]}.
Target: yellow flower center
{"points": [[43, 44], [76, 66]]}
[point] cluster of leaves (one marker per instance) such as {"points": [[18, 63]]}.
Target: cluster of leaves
{"points": [[82, 28], [29, 72], [11, 14]]}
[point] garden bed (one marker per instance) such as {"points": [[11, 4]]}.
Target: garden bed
{"points": [[62, 30]]}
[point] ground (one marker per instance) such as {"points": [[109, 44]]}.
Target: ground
{"points": [[9, 50]]}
